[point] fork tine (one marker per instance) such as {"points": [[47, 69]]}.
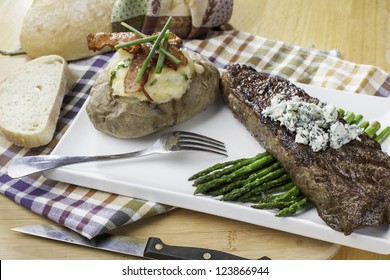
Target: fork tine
{"points": [[204, 149], [201, 138], [188, 143], [193, 141]]}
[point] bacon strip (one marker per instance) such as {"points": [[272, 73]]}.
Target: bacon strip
{"points": [[175, 41], [98, 41], [129, 83], [178, 54]]}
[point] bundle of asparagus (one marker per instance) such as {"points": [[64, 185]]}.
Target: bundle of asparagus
{"points": [[261, 181]]}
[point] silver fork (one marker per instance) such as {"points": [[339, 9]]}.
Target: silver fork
{"points": [[169, 142]]}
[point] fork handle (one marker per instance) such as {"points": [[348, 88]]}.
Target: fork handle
{"points": [[24, 166]]}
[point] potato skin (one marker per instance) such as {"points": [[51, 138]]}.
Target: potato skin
{"points": [[117, 117]]}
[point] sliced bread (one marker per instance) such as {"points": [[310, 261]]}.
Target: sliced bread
{"points": [[31, 98]]}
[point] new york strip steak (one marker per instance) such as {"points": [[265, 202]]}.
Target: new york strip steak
{"points": [[349, 186]]}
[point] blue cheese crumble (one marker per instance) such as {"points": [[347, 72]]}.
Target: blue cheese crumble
{"points": [[315, 125]]}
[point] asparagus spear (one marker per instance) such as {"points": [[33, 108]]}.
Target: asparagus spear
{"points": [[289, 184], [288, 195], [226, 188], [382, 136], [357, 119], [228, 178], [235, 166], [286, 208], [293, 208], [349, 117], [267, 195], [236, 183], [364, 125], [341, 112], [213, 168], [265, 186], [236, 193], [372, 129]]}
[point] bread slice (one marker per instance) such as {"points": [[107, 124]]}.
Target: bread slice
{"points": [[31, 98]]}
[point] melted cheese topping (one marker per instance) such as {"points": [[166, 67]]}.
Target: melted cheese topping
{"points": [[315, 125], [163, 87]]}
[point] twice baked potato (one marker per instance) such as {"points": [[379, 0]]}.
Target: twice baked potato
{"points": [[177, 95]]}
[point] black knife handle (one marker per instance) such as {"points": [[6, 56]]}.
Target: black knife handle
{"points": [[156, 249]]}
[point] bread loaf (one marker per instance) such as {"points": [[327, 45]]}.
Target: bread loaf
{"points": [[61, 27], [31, 98]]}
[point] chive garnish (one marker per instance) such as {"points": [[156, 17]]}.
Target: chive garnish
{"points": [[132, 29], [141, 41], [153, 50], [161, 56], [152, 83], [163, 50], [171, 56]]}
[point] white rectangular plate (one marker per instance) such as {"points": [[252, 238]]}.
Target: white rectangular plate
{"points": [[164, 178]]}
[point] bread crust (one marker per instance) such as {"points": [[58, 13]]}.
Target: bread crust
{"points": [[61, 27], [118, 117], [31, 98]]}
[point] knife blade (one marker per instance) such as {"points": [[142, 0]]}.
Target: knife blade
{"points": [[150, 248]]}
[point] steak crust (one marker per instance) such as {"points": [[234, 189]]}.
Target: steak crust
{"points": [[349, 186]]}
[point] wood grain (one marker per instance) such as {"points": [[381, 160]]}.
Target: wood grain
{"points": [[359, 29]]}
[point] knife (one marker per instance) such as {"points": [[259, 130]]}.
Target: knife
{"points": [[151, 248]]}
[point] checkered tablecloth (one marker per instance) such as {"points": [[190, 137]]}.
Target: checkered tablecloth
{"points": [[91, 212]]}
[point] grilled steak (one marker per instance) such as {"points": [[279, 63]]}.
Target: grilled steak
{"points": [[349, 186]]}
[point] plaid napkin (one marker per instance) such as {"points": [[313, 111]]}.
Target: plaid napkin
{"points": [[298, 64], [92, 212], [87, 211]]}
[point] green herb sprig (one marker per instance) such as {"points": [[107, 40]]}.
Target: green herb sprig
{"points": [[147, 39], [161, 57], [156, 39], [162, 49]]}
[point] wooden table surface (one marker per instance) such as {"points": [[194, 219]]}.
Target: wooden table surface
{"points": [[358, 28]]}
